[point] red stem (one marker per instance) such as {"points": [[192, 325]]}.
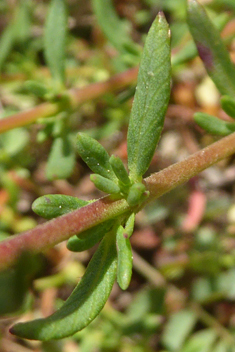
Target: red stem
{"points": [[60, 229]]}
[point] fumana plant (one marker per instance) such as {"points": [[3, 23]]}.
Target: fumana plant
{"points": [[110, 220]]}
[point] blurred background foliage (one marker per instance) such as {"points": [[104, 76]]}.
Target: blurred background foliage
{"points": [[182, 294]]}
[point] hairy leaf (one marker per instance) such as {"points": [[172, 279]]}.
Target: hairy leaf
{"points": [[151, 99], [104, 184], [55, 39], [53, 205], [211, 49], [95, 156], [125, 259], [84, 304], [120, 170]]}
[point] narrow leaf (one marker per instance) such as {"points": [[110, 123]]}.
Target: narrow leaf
{"points": [[213, 124], [6, 42], [95, 156], [89, 238], [53, 205], [211, 49], [228, 105], [120, 170], [61, 159], [189, 49], [151, 99], [55, 39], [104, 184], [130, 223], [125, 259], [84, 304], [18, 30]]}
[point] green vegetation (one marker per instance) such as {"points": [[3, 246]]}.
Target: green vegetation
{"points": [[167, 270]]}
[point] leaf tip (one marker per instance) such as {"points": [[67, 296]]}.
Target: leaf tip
{"points": [[161, 17], [12, 330]]}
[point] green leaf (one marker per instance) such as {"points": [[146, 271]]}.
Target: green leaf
{"points": [[113, 27], [213, 124], [189, 49], [125, 259], [53, 205], [95, 156], [104, 184], [89, 238], [18, 30], [201, 341], [6, 42], [130, 223], [228, 105], [120, 170], [211, 49], [136, 194], [15, 282], [61, 159], [36, 88], [14, 141], [23, 21], [151, 99], [228, 3], [223, 346], [55, 39], [177, 329], [84, 304]]}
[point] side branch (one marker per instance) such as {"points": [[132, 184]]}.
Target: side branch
{"points": [[77, 96], [60, 229]]}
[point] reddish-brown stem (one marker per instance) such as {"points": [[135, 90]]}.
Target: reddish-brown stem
{"points": [[78, 96], [176, 174], [60, 229], [26, 117], [95, 90]]}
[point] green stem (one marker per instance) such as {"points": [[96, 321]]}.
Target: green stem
{"points": [[60, 229]]}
